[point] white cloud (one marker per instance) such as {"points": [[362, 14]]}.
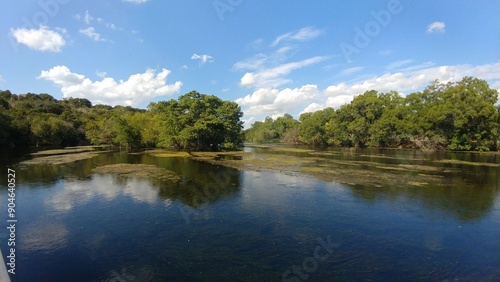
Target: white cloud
{"points": [[256, 44], [312, 108], [256, 62], [135, 90], [352, 70], [330, 67], [270, 70], [91, 33], [101, 74], [203, 58], [261, 60], [41, 39], [414, 79], [136, 1], [436, 27], [87, 18], [398, 64], [339, 100], [273, 77], [271, 101], [248, 122], [423, 65], [304, 34]]}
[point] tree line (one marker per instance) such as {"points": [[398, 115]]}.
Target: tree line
{"points": [[193, 122], [455, 116]]}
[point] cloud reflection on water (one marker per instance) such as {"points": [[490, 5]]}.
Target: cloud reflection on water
{"points": [[107, 187]]}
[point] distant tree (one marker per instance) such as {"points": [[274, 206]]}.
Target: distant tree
{"points": [[78, 102], [50, 130]]}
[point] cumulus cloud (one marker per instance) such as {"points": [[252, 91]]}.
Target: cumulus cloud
{"points": [[203, 58], [312, 108], [339, 100], [436, 27], [41, 39], [274, 77], [413, 79], [271, 101], [416, 79], [136, 89], [303, 34]]}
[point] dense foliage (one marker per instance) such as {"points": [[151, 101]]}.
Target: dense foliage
{"points": [[454, 116], [196, 121]]}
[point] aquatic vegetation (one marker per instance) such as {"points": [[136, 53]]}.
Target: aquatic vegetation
{"points": [[419, 184], [64, 151], [60, 159], [170, 154], [468, 163], [139, 171], [351, 172]]}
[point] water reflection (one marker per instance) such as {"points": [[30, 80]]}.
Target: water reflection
{"points": [[106, 187], [250, 225], [461, 197], [43, 236]]}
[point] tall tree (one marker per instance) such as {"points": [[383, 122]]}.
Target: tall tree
{"points": [[199, 122]]}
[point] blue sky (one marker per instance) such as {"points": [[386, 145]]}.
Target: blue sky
{"points": [[271, 57]]}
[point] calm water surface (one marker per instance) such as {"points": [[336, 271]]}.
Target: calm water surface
{"points": [[221, 224]]}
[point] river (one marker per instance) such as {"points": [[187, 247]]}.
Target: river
{"points": [[222, 224]]}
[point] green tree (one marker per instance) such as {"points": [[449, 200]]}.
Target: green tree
{"points": [[470, 116], [199, 122], [313, 125], [385, 130], [50, 129]]}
